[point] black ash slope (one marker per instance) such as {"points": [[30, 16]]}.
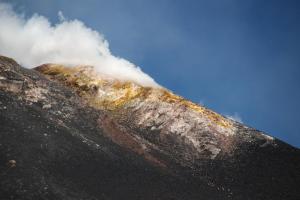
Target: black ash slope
{"points": [[52, 147]]}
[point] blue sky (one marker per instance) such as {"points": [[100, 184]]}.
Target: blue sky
{"points": [[236, 57]]}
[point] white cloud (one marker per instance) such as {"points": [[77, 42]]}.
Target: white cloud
{"points": [[201, 102], [35, 41], [61, 16], [235, 117]]}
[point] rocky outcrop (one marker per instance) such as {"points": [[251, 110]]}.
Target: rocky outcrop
{"points": [[70, 133]]}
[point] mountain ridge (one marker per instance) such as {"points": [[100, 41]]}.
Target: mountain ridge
{"points": [[189, 151]]}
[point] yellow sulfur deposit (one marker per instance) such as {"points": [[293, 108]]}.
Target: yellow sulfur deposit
{"points": [[111, 94]]}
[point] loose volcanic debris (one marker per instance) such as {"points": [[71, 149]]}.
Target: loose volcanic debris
{"points": [[12, 163], [70, 133], [155, 111]]}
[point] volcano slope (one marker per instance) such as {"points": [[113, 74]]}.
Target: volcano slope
{"points": [[70, 133]]}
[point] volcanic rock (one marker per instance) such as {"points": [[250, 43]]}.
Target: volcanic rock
{"points": [[71, 133]]}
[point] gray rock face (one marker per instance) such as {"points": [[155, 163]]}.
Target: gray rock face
{"points": [[66, 141]]}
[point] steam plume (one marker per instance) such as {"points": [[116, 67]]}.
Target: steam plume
{"points": [[35, 41]]}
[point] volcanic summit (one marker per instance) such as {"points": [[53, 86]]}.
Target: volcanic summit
{"points": [[72, 133]]}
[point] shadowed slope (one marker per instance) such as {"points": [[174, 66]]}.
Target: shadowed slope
{"points": [[74, 134]]}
